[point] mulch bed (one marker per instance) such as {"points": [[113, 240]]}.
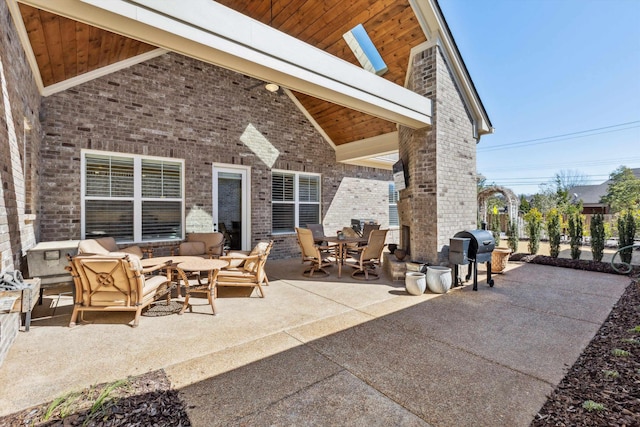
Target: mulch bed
{"points": [[145, 400], [602, 388], [577, 264], [603, 374]]}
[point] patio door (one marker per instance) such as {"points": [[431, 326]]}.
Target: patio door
{"points": [[231, 204]]}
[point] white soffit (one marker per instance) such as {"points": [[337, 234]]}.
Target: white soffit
{"points": [[213, 33]]}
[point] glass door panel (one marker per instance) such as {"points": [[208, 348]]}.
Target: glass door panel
{"points": [[230, 205]]}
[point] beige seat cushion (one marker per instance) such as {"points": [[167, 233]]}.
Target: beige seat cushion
{"points": [[109, 243], [104, 246], [259, 249], [134, 250], [238, 258], [235, 276], [91, 246], [192, 248], [212, 241]]}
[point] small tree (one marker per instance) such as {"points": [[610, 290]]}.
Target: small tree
{"points": [[553, 230], [525, 206], [576, 224], [623, 192], [597, 236], [495, 228], [533, 218], [512, 233], [627, 232]]}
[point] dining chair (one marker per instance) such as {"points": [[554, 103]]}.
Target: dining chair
{"points": [[367, 258], [368, 228], [318, 233], [317, 256]]}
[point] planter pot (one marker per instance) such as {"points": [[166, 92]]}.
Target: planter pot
{"points": [[415, 283], [439, 279], [392, 247], [499, 259], [400, 254]]}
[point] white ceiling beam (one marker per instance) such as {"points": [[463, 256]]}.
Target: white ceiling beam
{"points": [[366, 149], [213, 33]]}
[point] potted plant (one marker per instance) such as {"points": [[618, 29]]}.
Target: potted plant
{"points": [[499, 259]]}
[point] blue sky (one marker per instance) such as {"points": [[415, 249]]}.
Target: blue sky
{"points": [[545, 68]]}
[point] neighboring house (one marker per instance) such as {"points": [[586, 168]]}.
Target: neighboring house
{"points": [[591, 196], [148, 120]]}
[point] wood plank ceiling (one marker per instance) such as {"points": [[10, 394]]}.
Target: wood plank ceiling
{"points": [[65, 48]]}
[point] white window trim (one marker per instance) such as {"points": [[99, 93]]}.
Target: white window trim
{"points": [[296, 200], [137, 188]]}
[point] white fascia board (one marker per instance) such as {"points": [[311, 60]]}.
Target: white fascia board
{"points": [[309, 117], [367, 148], [431, 24], [26, 43], [83, 78], [231, 40], [224, 22]]}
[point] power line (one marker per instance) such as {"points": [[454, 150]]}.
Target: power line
{"points": [[556, 138], [573, 165]]}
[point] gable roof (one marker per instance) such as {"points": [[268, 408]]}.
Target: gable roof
{"points": [[70, 41], [591, 194]]}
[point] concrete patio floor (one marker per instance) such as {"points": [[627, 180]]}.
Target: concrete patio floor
{"points": [[334, 351]]}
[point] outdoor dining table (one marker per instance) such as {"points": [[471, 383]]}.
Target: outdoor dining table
{"points": [[341, 243]]}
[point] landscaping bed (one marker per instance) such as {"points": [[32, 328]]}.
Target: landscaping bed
{"points": [[603, 385]]}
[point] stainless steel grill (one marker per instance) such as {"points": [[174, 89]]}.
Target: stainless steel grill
{"points": [[472, 246]]}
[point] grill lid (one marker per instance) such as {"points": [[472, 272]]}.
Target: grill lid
{"points": [[482, 241]]}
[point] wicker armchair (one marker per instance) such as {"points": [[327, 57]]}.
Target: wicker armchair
{"points": [[114, 282], [204, 245], [246, 270]]}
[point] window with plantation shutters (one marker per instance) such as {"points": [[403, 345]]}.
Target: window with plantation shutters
{"points": [[295, 200], [132, 198], [393, 205]]}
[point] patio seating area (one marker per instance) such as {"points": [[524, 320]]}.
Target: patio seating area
{"points": [[462, 358]]}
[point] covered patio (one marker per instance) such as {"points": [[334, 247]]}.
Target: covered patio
{"points": [[335, 350]]}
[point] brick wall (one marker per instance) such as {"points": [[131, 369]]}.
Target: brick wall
{"points": [[173, 106], [19, 103], [441, 197]]}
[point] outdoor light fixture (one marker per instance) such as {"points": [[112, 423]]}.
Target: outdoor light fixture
{"points": [[272, 87]]}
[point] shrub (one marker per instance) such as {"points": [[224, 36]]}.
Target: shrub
{"points": [[533, 218], [553, 230], [626, 232], [598, 236], [513, 238], [495, 228], [575, 233]]}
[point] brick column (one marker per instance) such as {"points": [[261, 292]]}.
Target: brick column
{"points": [[440, 198]]}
